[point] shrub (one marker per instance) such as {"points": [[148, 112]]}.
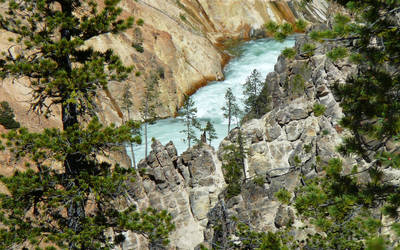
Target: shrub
{"points": [[337, 53], [301, 25], [138, 47], [296, 85], [308, 49], [140, 22], [319, 109], [283, 196], [182, 17], [259, 180], [7, 116], [289, 53]]}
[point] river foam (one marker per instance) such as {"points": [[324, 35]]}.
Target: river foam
{"points": [[260, 54]]}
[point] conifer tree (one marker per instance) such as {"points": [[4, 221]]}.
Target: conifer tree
{"points": [[252, 89], [67, 196], [210, 132], [150, 103], [7, 116], [188, 111], [127, 104], [231, 108]]}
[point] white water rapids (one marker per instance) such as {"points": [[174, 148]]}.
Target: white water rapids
{"points": [[260, 54]]}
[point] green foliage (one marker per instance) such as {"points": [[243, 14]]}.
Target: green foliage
{"points": [[282, 31], [319, 109], [301, 25], [7, 116], [307, 148], [127, 105], [250, 239], [50, 74], [283, 196], [138, 47], [140, 22], [308, 49], [150, 102], [188, 111], [252, 89], [289, 53], [67, 196], [231, 109], [271, 27], [296, 85], [259, 180], [337, 53], [233, 166], [209, 130], [182, 17], [341, 207]]}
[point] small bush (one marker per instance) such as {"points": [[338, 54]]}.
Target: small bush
{"points": [[283, 196], [259, 180], [319, 109], [271, 27], [287, 28], [337, 53], [138, 47], [289, 53], [301, 25], [308, 49], [182, 17], [7, 116], [307, 148], [325, 132], [140, 22], [296, 85], [138, 73]]}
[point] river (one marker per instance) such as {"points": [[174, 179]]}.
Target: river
{"points": [[259, 54]]}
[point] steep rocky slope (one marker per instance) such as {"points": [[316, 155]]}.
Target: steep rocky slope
{"points": [[284, 147], [183, 46]]}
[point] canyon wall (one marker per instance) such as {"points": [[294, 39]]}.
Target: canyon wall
{"points": [[286, 146], [183, 47]]}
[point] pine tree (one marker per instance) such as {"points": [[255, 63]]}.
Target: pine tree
{"points": [[231, 108], [252, 89], [67, 196], [150, 103], [188, 111], [127, 104], [7, 116], [210, 131]]}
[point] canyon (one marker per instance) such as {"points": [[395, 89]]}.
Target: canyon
{"points": [[185, 44]]}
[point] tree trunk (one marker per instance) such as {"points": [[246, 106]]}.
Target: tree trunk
{"points": [[241, 148], [145, 127], [74, 162], [229, 117]]}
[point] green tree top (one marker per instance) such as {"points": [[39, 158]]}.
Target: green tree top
{"points": [[188, 111]]}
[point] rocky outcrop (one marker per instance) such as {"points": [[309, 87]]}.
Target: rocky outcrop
{"points": [[187, 186]]}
